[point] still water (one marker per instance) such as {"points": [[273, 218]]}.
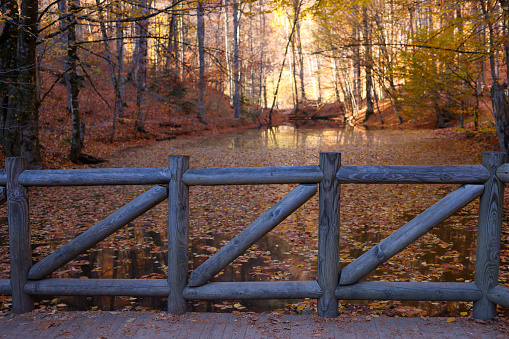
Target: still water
{"points": [[369, 213]]}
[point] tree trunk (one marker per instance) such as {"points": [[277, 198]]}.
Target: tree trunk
{"points": [[73, 84], [501, 112], [498, 96], [294, 77], [335, 77], [227, 52], [201, 56], [357, 68], [9, 131], [182, 62], [368, 65], [318, 78], [120, 63], [262, 77], [27, 104], [378, 107], [119, 109], [141, 80], [64, 44], [299, 52], [236, 60], [171, 48], [504, 4]]}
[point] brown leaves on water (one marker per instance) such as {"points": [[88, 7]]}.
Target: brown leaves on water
{"points": [[369, 213]]}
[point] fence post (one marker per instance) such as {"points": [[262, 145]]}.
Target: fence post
{"points": [[19, 235], [328, 234], [178, 221], [488, 236]]}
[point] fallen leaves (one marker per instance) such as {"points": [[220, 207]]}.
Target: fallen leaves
{"points": [[369, 213], [47, 325]]}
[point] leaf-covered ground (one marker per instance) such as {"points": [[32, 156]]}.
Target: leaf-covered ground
{"points": [[368, 214]]}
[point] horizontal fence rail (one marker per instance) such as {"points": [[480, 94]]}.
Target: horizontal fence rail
{"points": [[503, 173], [255, 290], [5, 286], [253, 175], [88, 287], [459, 174], [499, 295], [333, 284], [429, 291], [96, 177]]}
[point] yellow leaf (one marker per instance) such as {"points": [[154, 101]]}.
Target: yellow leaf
{"points": [[464, 314], [451, 320]]}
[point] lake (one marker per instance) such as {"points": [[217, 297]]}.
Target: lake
{"points": [[369, 213]]}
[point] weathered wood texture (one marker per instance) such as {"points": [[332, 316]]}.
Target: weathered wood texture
{"points": [[503, 173], [178, 238], [98, 232], [128, 287], [328, 234], [253, 175], [488, 236], [19, 235], [457, 174], [150, 324], [499, 295], [431, 291], [5, 286], [407, 234], [254, 290], [264, 224], [3, 195], [96, 177]]}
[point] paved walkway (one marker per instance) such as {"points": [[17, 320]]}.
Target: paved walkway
{"points": [[246, 325]]}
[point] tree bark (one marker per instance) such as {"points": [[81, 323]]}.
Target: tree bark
{"points": [[120, 63], [71, 74], [141, 79], [27, 103], [357, 68], [504, 4], [114, 81], [498, 96], [201, 56], [171, 47], [227, 52], [296, 6], [501, 113], [10, 134], [236, 59], [368, 65]]}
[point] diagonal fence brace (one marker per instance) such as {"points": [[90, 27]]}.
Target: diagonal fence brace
{"points": [[410, 232], [251, 234], [98, 232]]}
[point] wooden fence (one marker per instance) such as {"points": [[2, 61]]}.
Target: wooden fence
{"points": [[485, 181]]}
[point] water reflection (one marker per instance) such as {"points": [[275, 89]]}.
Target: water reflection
{"points": [[288, 252], [290, 137]]}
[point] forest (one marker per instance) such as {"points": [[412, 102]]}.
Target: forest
{"points": [[87, 81], [135, 62]]}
